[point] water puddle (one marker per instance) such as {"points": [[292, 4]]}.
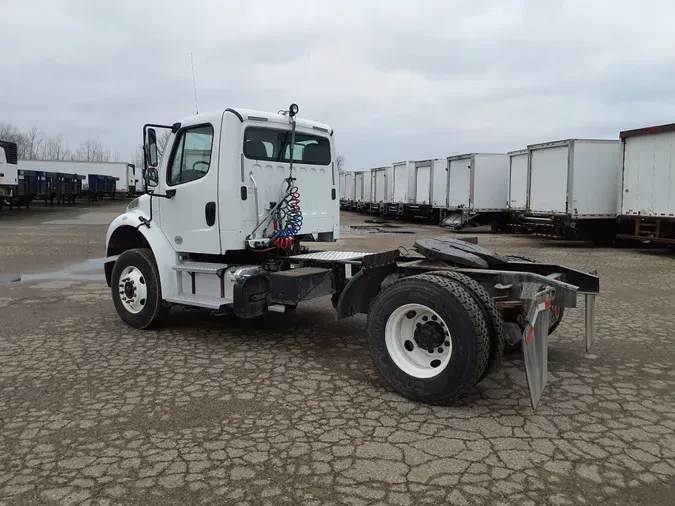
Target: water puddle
{"points": [[377, 227], [95, 218], [88, 270]]}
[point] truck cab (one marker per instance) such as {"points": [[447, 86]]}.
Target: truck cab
{"points": [[228, 189], [224, 172]]}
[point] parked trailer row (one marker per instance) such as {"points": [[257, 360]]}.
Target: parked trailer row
{"points": [[458, 191], [590, 189], [19, 186], [111, 178]]}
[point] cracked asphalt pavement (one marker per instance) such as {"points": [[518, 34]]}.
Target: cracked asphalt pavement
{"points": [[288, 409]]}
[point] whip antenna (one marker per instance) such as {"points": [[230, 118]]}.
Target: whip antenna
{"points": [[194, 82]]}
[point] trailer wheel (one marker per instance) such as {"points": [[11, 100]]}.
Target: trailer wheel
{"points": [[428, 338], [492, 315], [136, 289]]}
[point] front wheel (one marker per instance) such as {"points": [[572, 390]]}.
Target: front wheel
{"points": [[428, 338], [136, 289]]}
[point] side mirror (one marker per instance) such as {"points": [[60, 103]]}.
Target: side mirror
{"points": [[151, 177], [152, 148]]}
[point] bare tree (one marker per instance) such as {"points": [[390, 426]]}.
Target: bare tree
{"points": [[54, 149], [162, 141], [340, 162], [138, 157], [36, 145], [90, 150], [10, 133], [35, 138]]}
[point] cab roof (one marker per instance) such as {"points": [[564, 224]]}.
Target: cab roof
{"points": [[254, 115]]}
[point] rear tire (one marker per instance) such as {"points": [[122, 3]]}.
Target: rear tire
{"points": [[415, 313], [136, 289], [492, 315]]}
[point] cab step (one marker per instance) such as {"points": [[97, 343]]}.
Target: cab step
{"points": [[189, 299], [201, 267]]}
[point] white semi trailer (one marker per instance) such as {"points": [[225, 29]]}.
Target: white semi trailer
{"points": [[428, 189], [647, 196], [574, 188], [230, 241], [477, 190], [383, 190], [518, 177], [349, 201], [342, 183], [402, 174], [363, 190]]}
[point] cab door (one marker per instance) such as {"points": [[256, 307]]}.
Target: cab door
{"points": [[189, 218]]}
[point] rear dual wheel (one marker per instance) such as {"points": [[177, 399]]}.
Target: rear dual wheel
{"points": [[429, 338]]}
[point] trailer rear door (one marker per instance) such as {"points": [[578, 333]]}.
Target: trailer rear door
{"points": [[649, 174], [518, 181], [400, 190], [548, 178], [459, 182], [422, 183], [359, 186], [380, 182]]}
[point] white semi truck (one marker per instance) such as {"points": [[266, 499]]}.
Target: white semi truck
{"points": [[221, 229]]}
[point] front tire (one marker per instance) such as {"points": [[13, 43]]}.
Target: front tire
{"points": [[136, 289], [428, 338]]}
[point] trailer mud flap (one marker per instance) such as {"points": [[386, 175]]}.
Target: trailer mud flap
{"points": [[535, 344]]}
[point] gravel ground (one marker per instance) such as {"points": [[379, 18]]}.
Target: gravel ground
{"points": [[288, 409]]}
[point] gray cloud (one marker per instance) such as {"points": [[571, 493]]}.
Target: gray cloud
{"points": [[397, 80]]}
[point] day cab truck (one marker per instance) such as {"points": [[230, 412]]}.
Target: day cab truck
{"points": [[225, 226]]}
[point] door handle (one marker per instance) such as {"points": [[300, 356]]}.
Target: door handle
{"points": [[210, 213]]}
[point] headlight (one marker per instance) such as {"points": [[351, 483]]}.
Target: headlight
{"points": [[132, 205]]}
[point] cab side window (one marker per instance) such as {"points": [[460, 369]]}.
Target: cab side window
{"points": [[191, 156]]}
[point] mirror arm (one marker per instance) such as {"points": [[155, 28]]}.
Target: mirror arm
{"points": [[146, 221]]}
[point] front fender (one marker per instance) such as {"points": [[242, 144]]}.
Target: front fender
{"points": [[165, 256]]}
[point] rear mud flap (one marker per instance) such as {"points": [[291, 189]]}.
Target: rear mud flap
{"points": [[535, 344]]}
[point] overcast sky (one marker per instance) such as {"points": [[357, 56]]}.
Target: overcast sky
{"points": [[396, 79]]}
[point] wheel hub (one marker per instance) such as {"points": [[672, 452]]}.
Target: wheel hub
{"points": [[418, 340], [133, 290], [129, 290], [429, 335]]}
